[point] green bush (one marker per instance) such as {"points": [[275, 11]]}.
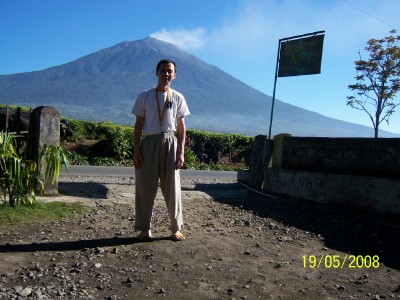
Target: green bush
{"points": [[104, 161], [77, 159], [121, 138], [190, 159], [20, 178], [209, 146], [203, 149], [23, 108]]}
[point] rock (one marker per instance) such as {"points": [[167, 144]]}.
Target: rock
{"points": [[340, 287], [99, 250], [26, 292]]}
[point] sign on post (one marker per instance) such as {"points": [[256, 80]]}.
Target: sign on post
{"points": [[297, 55], [301, 56]]}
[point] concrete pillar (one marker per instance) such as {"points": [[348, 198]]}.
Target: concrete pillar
{"points": [[276, 161], [257, 162], [44, 129]]}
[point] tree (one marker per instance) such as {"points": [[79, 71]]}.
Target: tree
{"points": [[378, 80]]}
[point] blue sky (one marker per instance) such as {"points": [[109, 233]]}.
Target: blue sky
{"points": [[238, 36]]}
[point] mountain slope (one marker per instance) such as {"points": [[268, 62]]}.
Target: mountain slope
{"points": [[102, 86]]}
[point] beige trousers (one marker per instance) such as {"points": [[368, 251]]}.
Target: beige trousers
{"points": [[159, 155]]}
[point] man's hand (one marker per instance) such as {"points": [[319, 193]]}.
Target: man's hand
{"points": [[137, 159], [137, 133], [180, 159]]}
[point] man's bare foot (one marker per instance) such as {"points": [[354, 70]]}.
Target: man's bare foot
{"points": [[177, 236]]}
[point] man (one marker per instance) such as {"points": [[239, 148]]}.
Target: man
{"points": [[159, 112]]}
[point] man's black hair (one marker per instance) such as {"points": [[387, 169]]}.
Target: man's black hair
{"points": [[165, 61]]}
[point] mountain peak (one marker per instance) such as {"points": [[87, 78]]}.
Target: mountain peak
{"points": [[103, 86]]}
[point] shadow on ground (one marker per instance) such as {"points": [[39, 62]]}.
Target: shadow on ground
{"points": [[74, 245], [83, 189], [341, 229]]}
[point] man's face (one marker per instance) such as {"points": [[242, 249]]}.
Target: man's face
{"points": [[166, 73]]}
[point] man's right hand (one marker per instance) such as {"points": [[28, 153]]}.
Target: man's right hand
{"points": [[137, 159], [137, 133]]}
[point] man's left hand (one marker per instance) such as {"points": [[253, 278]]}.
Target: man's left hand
{"points": [[180, 159]]}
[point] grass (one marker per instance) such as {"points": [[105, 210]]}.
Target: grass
{"points": [[37, 212]]}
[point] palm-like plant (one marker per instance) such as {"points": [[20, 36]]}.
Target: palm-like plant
{"points": [[53, 157], [20, 178], [16, 174]]}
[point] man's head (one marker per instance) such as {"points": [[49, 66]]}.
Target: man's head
{"points": [[164, 62], [166, 72]]}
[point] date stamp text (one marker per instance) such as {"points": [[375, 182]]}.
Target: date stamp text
{"points": [[341, 261]]}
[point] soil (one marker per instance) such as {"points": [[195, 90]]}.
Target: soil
{"points": [[239, 244]]}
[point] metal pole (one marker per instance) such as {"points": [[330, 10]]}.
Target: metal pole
{"points": [[268, 148]]}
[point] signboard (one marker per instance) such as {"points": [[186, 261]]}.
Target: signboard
{"points": [[301, 56]]}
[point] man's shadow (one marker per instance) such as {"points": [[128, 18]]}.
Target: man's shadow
{"points": [[85, 190], [75, 245]]}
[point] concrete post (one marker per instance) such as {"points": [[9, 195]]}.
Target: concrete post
{"points": [[275, 160], [44, 129], [254, 176]]}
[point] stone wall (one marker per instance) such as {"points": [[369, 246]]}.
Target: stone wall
{"points": [[351, 156], [357, 173]]}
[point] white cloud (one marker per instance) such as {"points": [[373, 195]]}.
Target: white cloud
{"points": [[253, 29], [245, 33], [185, 39], [250, 32]]}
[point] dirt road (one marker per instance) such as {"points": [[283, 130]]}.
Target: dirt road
{"points": [[240, 245]]}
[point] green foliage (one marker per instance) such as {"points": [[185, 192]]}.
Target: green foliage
{"points": [[86, 129], [203, 150], [120, 137], [23, 108], [378, 80], [190, 159], [20, 178], [121, 140], [104, 161], [53, 157], [77, 159], [210, 146]]}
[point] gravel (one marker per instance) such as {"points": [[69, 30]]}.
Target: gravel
{"points": [[239, 245]]}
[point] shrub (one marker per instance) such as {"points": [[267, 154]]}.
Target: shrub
{"points": [[104, 161], [77, 159], [205, 147], [21, 178], [190, 159]]}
